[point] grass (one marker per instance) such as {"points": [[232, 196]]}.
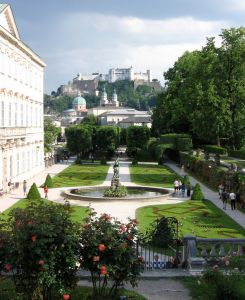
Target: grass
{"points": [[200, 218], [237, 161], [153, 175], [78, 175], [77, 215], [7, 292]]}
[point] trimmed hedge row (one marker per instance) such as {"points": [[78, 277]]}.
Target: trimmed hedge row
{"points": [[211, 175], [237, 153], [214, 149]]}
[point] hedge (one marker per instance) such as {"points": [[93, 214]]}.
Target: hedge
{"points": [[211, 175], [237, 153], [160, 148], [197, 193], [171, 137], [183, 144], [214, 149], [33, 193]]}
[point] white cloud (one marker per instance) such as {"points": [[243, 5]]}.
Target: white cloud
{"points": [[236, 5], [95, 42]]}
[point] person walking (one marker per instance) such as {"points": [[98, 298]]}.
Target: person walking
{"points": [[176, 185], [221, 189], [188, 190], [183, 189], [224, 198], [24, 187], [46, 191], [233, 200], [180, 185]]}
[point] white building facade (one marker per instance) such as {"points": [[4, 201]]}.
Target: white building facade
{"points": [[21, 105], [128, 74]]}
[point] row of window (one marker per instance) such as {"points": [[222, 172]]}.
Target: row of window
{"points": [[22, 72], [24, 162], [14, 114]]}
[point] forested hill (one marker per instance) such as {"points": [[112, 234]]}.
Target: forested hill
{"points": [[143, 98]]}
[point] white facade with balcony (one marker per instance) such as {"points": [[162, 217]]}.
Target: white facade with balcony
{"points": [[21, 105]]}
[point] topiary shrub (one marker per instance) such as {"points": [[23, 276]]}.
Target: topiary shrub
{"points": [[33, 193], [118, 192], [103, 161], [134, 162], [48, 181], [197, 193], [186, 180]]}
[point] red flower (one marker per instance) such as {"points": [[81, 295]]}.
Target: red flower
{"points": [[29, 222], [123, 228], [106, 217], [141, 259], [101, 247], [7, 267], [66, 297], [103, 270], [41, 262], [18, 223], [34, 238], [129, 237], [128, 225]]}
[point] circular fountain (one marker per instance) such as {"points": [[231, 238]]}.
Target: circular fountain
{"points": [[100, 193]]}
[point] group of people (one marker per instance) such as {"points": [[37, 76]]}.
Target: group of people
{"points": [[45, 189], [225, 196], [180, 187]]}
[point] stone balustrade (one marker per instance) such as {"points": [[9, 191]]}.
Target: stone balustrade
{"points": [[198, 252], [12, 132]]}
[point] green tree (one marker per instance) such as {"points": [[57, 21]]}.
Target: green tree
{"points": [[89, 120], [33, 193], [79, 139], [107, 138], [137, 136], [51, 133]]}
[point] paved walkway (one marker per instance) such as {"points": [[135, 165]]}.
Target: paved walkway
{"points": [[15, 195], [236, 215], [156, 289]]}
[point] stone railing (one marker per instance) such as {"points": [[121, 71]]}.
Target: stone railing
{"points": [[11, 133], [198, 252]]}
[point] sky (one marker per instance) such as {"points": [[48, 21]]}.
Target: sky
{"points": [[90, 36]]}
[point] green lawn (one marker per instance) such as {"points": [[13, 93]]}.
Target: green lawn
{"points": [[78, 212], [237, 161], [153, 175], [7, 292], [198, 218], [78, 175]]}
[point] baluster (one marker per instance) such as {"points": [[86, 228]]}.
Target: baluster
{"points": [[222, 250], [213, 251], [231, 249], [204, 251], [240, 250]]}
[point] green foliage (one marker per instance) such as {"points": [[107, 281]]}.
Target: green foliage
{"points": [[117, 192], [48, 181], [237, 153], [107, 139], [204, 93], [108, 251], [137, 136], [186, 180], [214, 149], [197, 193], [33, 193], [103, 161], [51, 133], [44, 250], [57, 104], [134, 162], [89, 120]]}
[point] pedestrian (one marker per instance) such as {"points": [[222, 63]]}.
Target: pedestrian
{"points": [[233, 200], [224, 198], [24, 187], [238, 200], [188, 190], [176, 186], [183, 189], [180, 185], [46, 191], [220, 188]]}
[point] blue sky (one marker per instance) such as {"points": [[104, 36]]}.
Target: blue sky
{"points": [[94, 35]]}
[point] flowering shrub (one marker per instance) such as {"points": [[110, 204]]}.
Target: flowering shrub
{"points": [[119, 191], [43, 250], [108, 251]]}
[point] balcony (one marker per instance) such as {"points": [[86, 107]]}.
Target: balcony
{"points": [[12, 133]]}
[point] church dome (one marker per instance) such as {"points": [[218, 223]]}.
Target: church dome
{"points": [[79, 100]]}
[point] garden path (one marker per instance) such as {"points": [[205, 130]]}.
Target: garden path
{"points": [[236, 215], [120, 209]]}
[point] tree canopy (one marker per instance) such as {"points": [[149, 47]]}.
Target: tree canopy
{"points": [[205, 93]]}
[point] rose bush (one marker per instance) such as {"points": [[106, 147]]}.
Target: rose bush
{"points": [[108, 250]]}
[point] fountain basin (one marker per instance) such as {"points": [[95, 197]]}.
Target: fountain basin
{"points": [[144, 193]]}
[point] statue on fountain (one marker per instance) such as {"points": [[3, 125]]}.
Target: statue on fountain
{"points": [[115, 182]]}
